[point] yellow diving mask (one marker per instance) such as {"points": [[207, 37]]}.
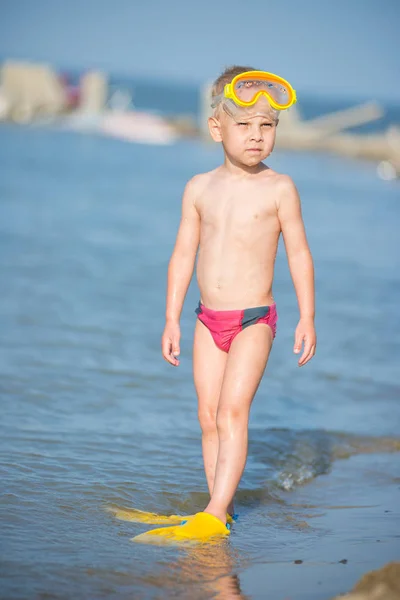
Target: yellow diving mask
{"points": [[246, 89]]}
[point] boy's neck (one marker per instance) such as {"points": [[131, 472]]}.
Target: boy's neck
{"points": [[240, 170]]}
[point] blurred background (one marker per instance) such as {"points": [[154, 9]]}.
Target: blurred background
{"points": [[103, 109], [140, 73]]}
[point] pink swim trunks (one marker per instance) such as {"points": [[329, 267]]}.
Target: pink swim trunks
{"points": [[224, 325]]}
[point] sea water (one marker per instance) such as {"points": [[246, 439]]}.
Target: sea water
{"points": [[92, 417]]}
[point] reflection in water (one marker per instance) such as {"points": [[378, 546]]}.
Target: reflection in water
{"points": [[207, 570]]}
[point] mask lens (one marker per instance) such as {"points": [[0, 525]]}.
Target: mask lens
{"points": [[247, 89]]}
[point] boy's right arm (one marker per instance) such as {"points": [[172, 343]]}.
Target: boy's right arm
{"points": [[180, 272]]}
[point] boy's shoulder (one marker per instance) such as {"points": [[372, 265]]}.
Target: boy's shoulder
{"points": [[202, 179], [198, 183], [281, 179], [284, 185], [281, 188]]}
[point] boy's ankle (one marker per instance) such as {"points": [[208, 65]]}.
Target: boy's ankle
{"points": [[221, 516]]}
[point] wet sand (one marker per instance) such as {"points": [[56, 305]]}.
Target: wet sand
{"points": [[382, 584]]}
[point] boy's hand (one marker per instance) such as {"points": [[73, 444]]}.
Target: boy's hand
{"points": [[305, 331], [170, 343]]}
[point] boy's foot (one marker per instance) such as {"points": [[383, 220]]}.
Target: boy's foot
{"points": [[220, 516], [202, 527]]}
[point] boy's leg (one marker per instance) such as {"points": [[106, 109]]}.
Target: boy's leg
{"points": [[247, 358], [208, 370]]}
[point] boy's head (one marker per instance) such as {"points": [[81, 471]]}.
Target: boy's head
{"points": [[219, 104], [247, 133]]}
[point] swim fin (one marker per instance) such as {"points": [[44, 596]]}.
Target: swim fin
{"points": [[135, 515], [202, 527]]}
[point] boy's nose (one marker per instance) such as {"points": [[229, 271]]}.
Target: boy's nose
{"points": [[256, 134]]}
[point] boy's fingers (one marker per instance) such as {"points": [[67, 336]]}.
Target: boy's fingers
{"points": [[172, 360], [298, 338], [307, 355], [306, 352], [175, 356], [170, 350], [166, 346]]}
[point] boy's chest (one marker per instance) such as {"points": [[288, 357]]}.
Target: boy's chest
{"points": [[236, 210]]}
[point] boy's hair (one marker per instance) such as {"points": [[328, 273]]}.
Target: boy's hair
{"points": [[226, 77]]}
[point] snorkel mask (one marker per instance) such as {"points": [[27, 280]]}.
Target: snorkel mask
{"points": [[253, 93]]}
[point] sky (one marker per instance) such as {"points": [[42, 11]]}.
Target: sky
{"points": [[339, 47]]}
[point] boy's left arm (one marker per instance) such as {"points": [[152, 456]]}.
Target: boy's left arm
{"points": [[300, 266]]}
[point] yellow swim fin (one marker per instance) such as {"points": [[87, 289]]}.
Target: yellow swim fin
{"points": [[139, 516], [135, 515], [202, 527]]}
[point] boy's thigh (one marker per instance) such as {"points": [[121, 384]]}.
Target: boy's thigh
{"points": [[209, 363], [247, 359]]}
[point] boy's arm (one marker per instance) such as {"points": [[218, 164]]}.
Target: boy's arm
{"points": [[300, 266], [180, 271]]}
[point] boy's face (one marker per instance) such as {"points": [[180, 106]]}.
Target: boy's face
{"points": [[248, 140]]}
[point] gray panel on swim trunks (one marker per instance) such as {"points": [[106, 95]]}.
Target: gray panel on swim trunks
{"points": [[198, 310], [251, 315]]}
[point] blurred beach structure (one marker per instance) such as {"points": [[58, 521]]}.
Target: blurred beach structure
{"points": [[32, 93]]}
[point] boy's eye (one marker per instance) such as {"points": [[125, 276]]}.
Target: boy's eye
{"points": [[244, 124]]}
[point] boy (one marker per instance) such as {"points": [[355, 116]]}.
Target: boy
{"points": [[233, 217]]}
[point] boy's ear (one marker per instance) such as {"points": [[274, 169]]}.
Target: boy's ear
{"points": [[214, 127]]}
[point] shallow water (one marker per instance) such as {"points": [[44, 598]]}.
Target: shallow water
{"points": [[92, 416]]}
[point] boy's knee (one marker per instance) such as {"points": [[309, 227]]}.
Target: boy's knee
{"points": [[208, 421], [231, 416]]}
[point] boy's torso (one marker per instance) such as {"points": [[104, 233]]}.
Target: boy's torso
{"points": [[238, 239]]}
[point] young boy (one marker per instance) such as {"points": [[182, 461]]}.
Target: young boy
{"points": [[233, 217]]}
